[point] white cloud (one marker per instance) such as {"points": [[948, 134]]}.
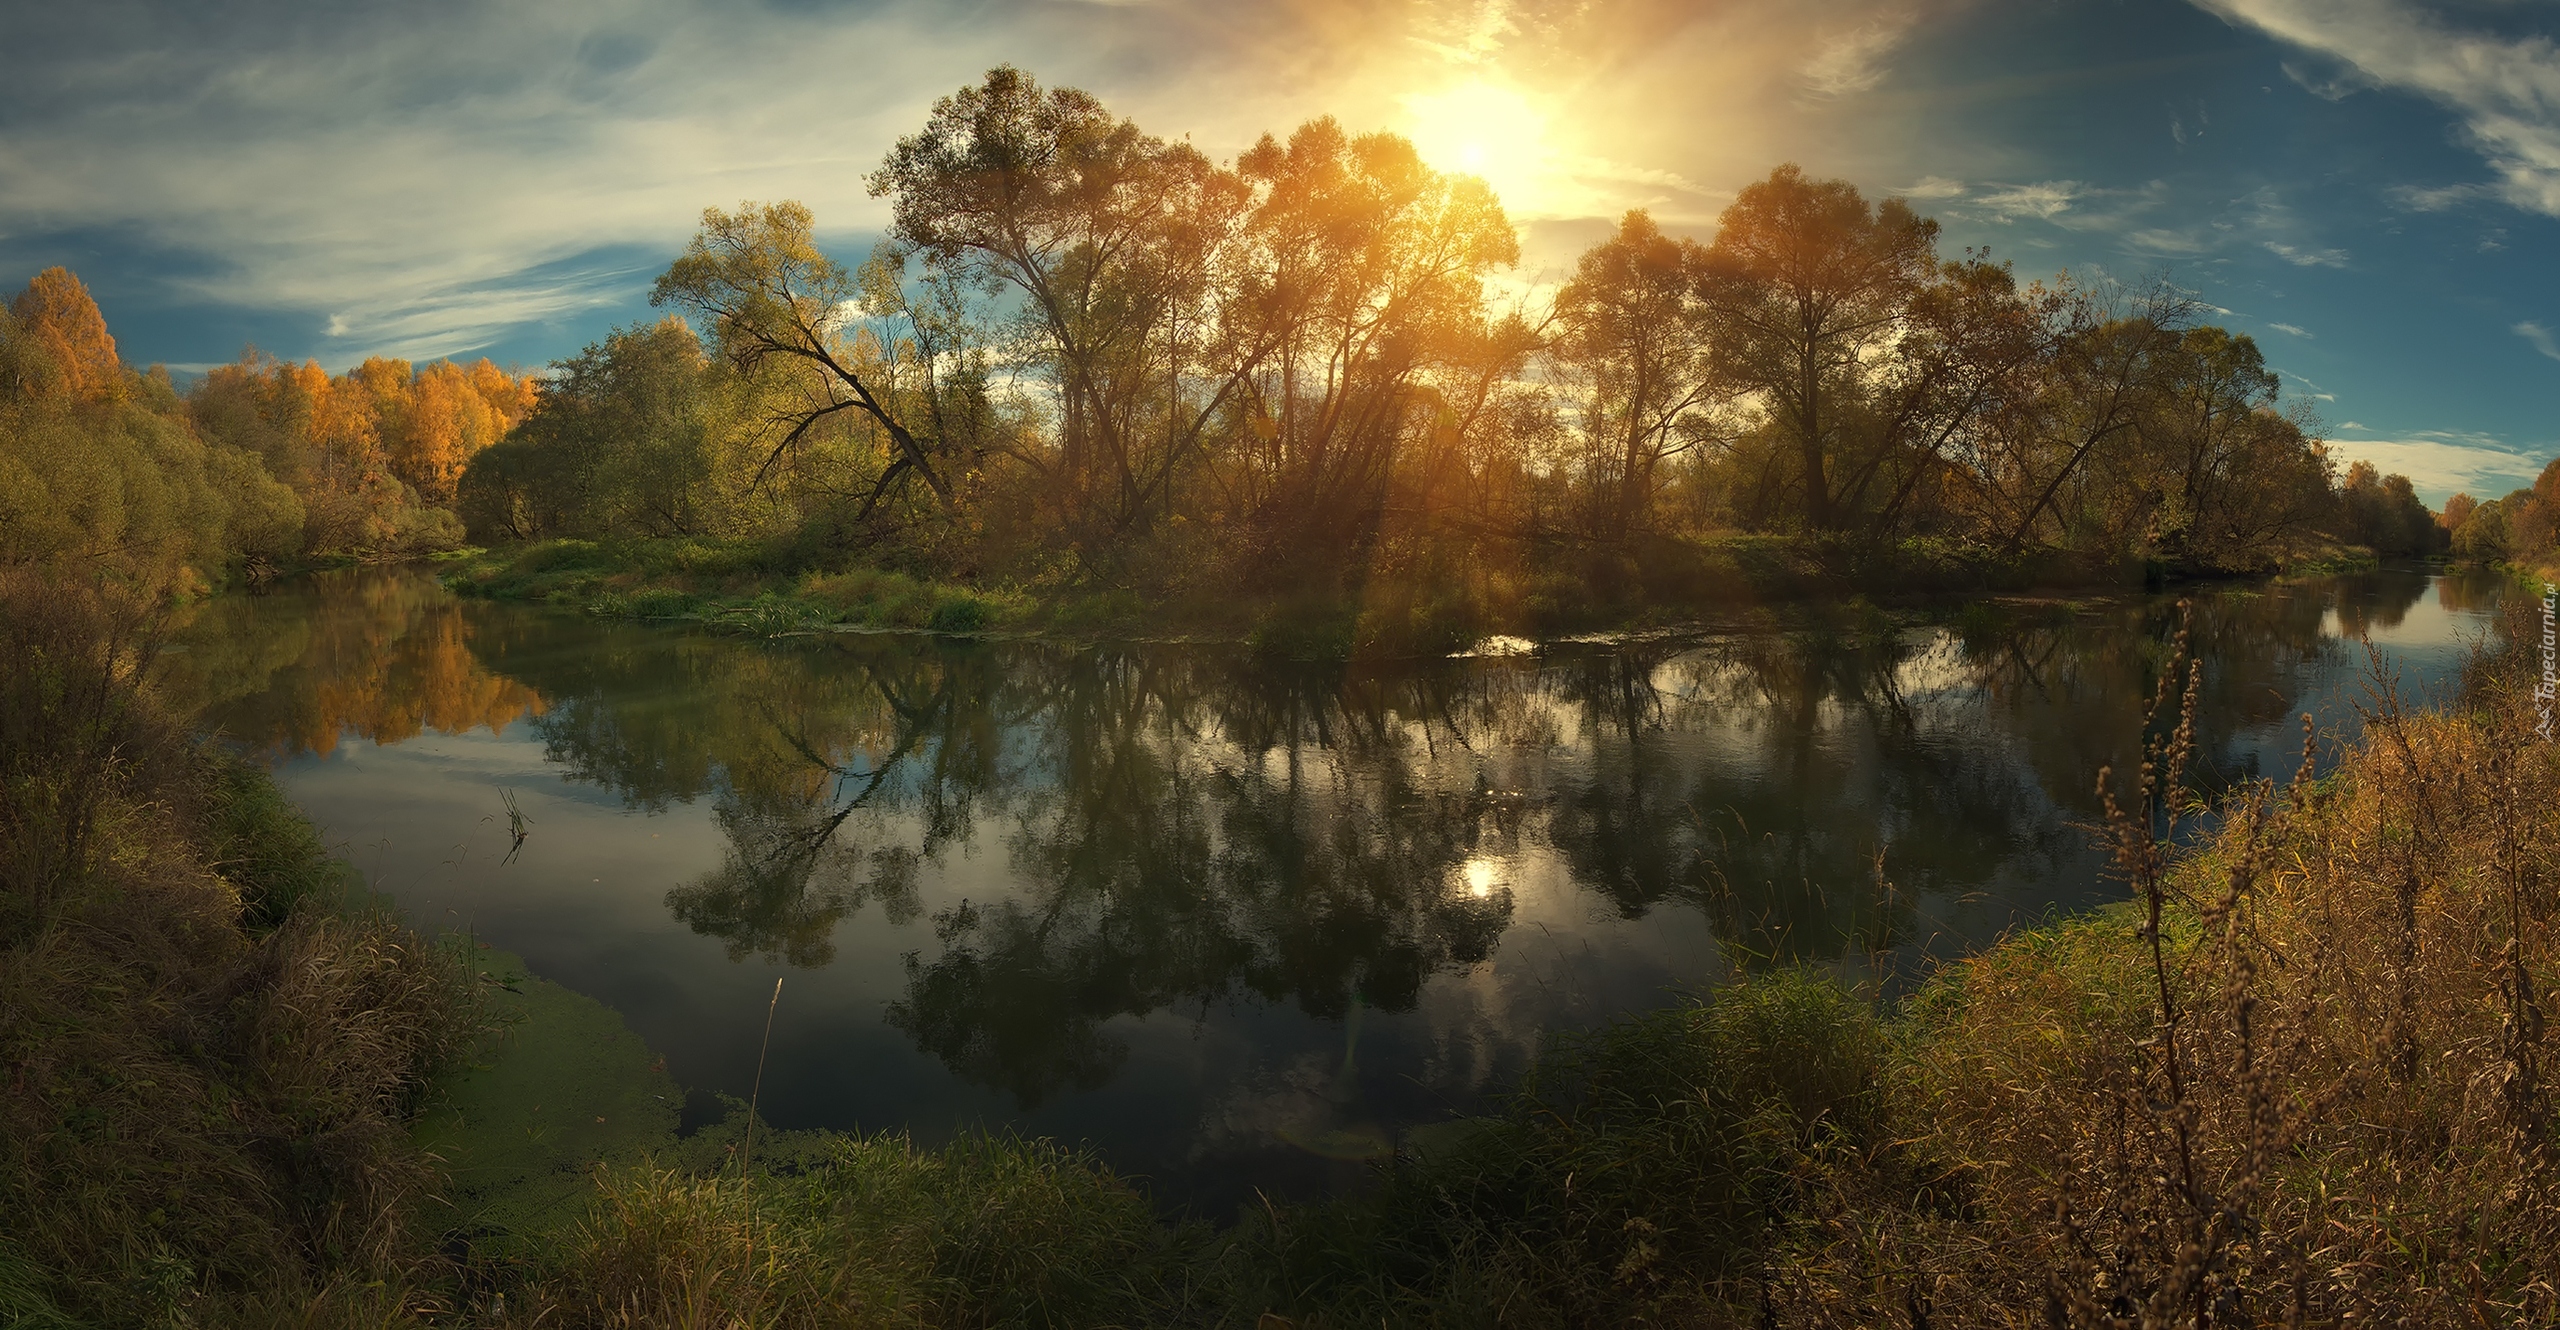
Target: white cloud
{"points": [[2169, 240], [2289, 328], [2442, 463], [2441, 198], [2304, 257], [2043, 201], [2539, 336], [2506, 89]]}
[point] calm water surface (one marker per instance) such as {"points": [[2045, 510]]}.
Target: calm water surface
{"points": [[1238, 925]]}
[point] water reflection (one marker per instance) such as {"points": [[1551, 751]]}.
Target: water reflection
{"points": [[382, 658], [1064, 844]]}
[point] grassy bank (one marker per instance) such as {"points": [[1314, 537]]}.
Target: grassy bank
{"points": [[770, 588], [2301, 1076]]}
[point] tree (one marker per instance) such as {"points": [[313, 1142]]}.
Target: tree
{"points": [[2088, 398], [99, 468], [1361, 327], [622, 443], [78, 360], [1114, 240], [1971, 345], [2384, 513], [777, 309], [1803, 282], [1630, 329]]}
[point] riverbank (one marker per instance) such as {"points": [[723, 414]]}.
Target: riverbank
{"points": [[768, 590], [2358, 1118]]}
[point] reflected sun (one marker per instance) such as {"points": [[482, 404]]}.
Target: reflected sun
{"points": [[1483, 129]]}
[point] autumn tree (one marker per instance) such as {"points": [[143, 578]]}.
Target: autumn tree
{"points": [[374, 453], [2384, 512], [99, 467], [70, 355], [1114, 243], [1361, 305], [779, 311], [1805, 282], [1633, 340], [1971, 347]]}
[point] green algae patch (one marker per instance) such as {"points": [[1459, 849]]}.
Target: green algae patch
{"points": [[560, 1087]]}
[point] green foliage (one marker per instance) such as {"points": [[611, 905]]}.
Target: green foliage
{"points": [[264, 847], [872, 1231], [559, 1085], [122, 482], [625, 441]]}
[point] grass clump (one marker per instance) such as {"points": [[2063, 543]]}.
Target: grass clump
{"points": [[872, 1231]]}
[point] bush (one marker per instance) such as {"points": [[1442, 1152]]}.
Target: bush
{"points": [[872, 1231]]}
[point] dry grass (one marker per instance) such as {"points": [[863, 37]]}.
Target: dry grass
{"points": [[196, 1109], [2299, 1081]]}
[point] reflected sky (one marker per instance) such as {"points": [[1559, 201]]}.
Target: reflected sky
{"points": [[1238, 924]]}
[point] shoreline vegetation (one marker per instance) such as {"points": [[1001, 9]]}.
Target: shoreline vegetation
{"points": [[2302, 1072], [1675, 585]]}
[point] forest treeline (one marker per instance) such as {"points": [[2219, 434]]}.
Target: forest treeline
{"points": [[1088, 352], [259, 465], [1091, 358]]}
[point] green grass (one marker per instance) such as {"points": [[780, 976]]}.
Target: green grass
{"points": [[768, 589]]}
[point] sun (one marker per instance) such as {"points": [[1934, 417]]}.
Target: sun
{"points": [[1484, 129]]}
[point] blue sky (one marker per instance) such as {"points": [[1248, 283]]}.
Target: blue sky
{"points": [[2371, 188]]}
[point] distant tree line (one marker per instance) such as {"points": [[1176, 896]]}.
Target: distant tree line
{"points": [[2524, 526], [261, 463], [1086, 351]]}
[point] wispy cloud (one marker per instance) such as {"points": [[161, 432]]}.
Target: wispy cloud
{"points": [[2303, 257], [2043, 201], [1852, 59], [2506, 89], [2540, 337], [2289, 328]]}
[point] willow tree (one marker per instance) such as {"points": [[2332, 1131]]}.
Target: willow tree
{"points": [[1805, 283], [1113, 242], [1632, 335], [780, 312], [1363, 286]]}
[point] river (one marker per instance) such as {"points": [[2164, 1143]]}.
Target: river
{"points": [[1239, 925]]}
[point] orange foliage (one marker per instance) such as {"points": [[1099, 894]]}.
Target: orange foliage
{"points": [[429, 680], [408, 675], [449, 420], [57, 312], [421, 425]]}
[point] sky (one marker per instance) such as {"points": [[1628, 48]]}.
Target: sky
{"points": [[2370, 188]]}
